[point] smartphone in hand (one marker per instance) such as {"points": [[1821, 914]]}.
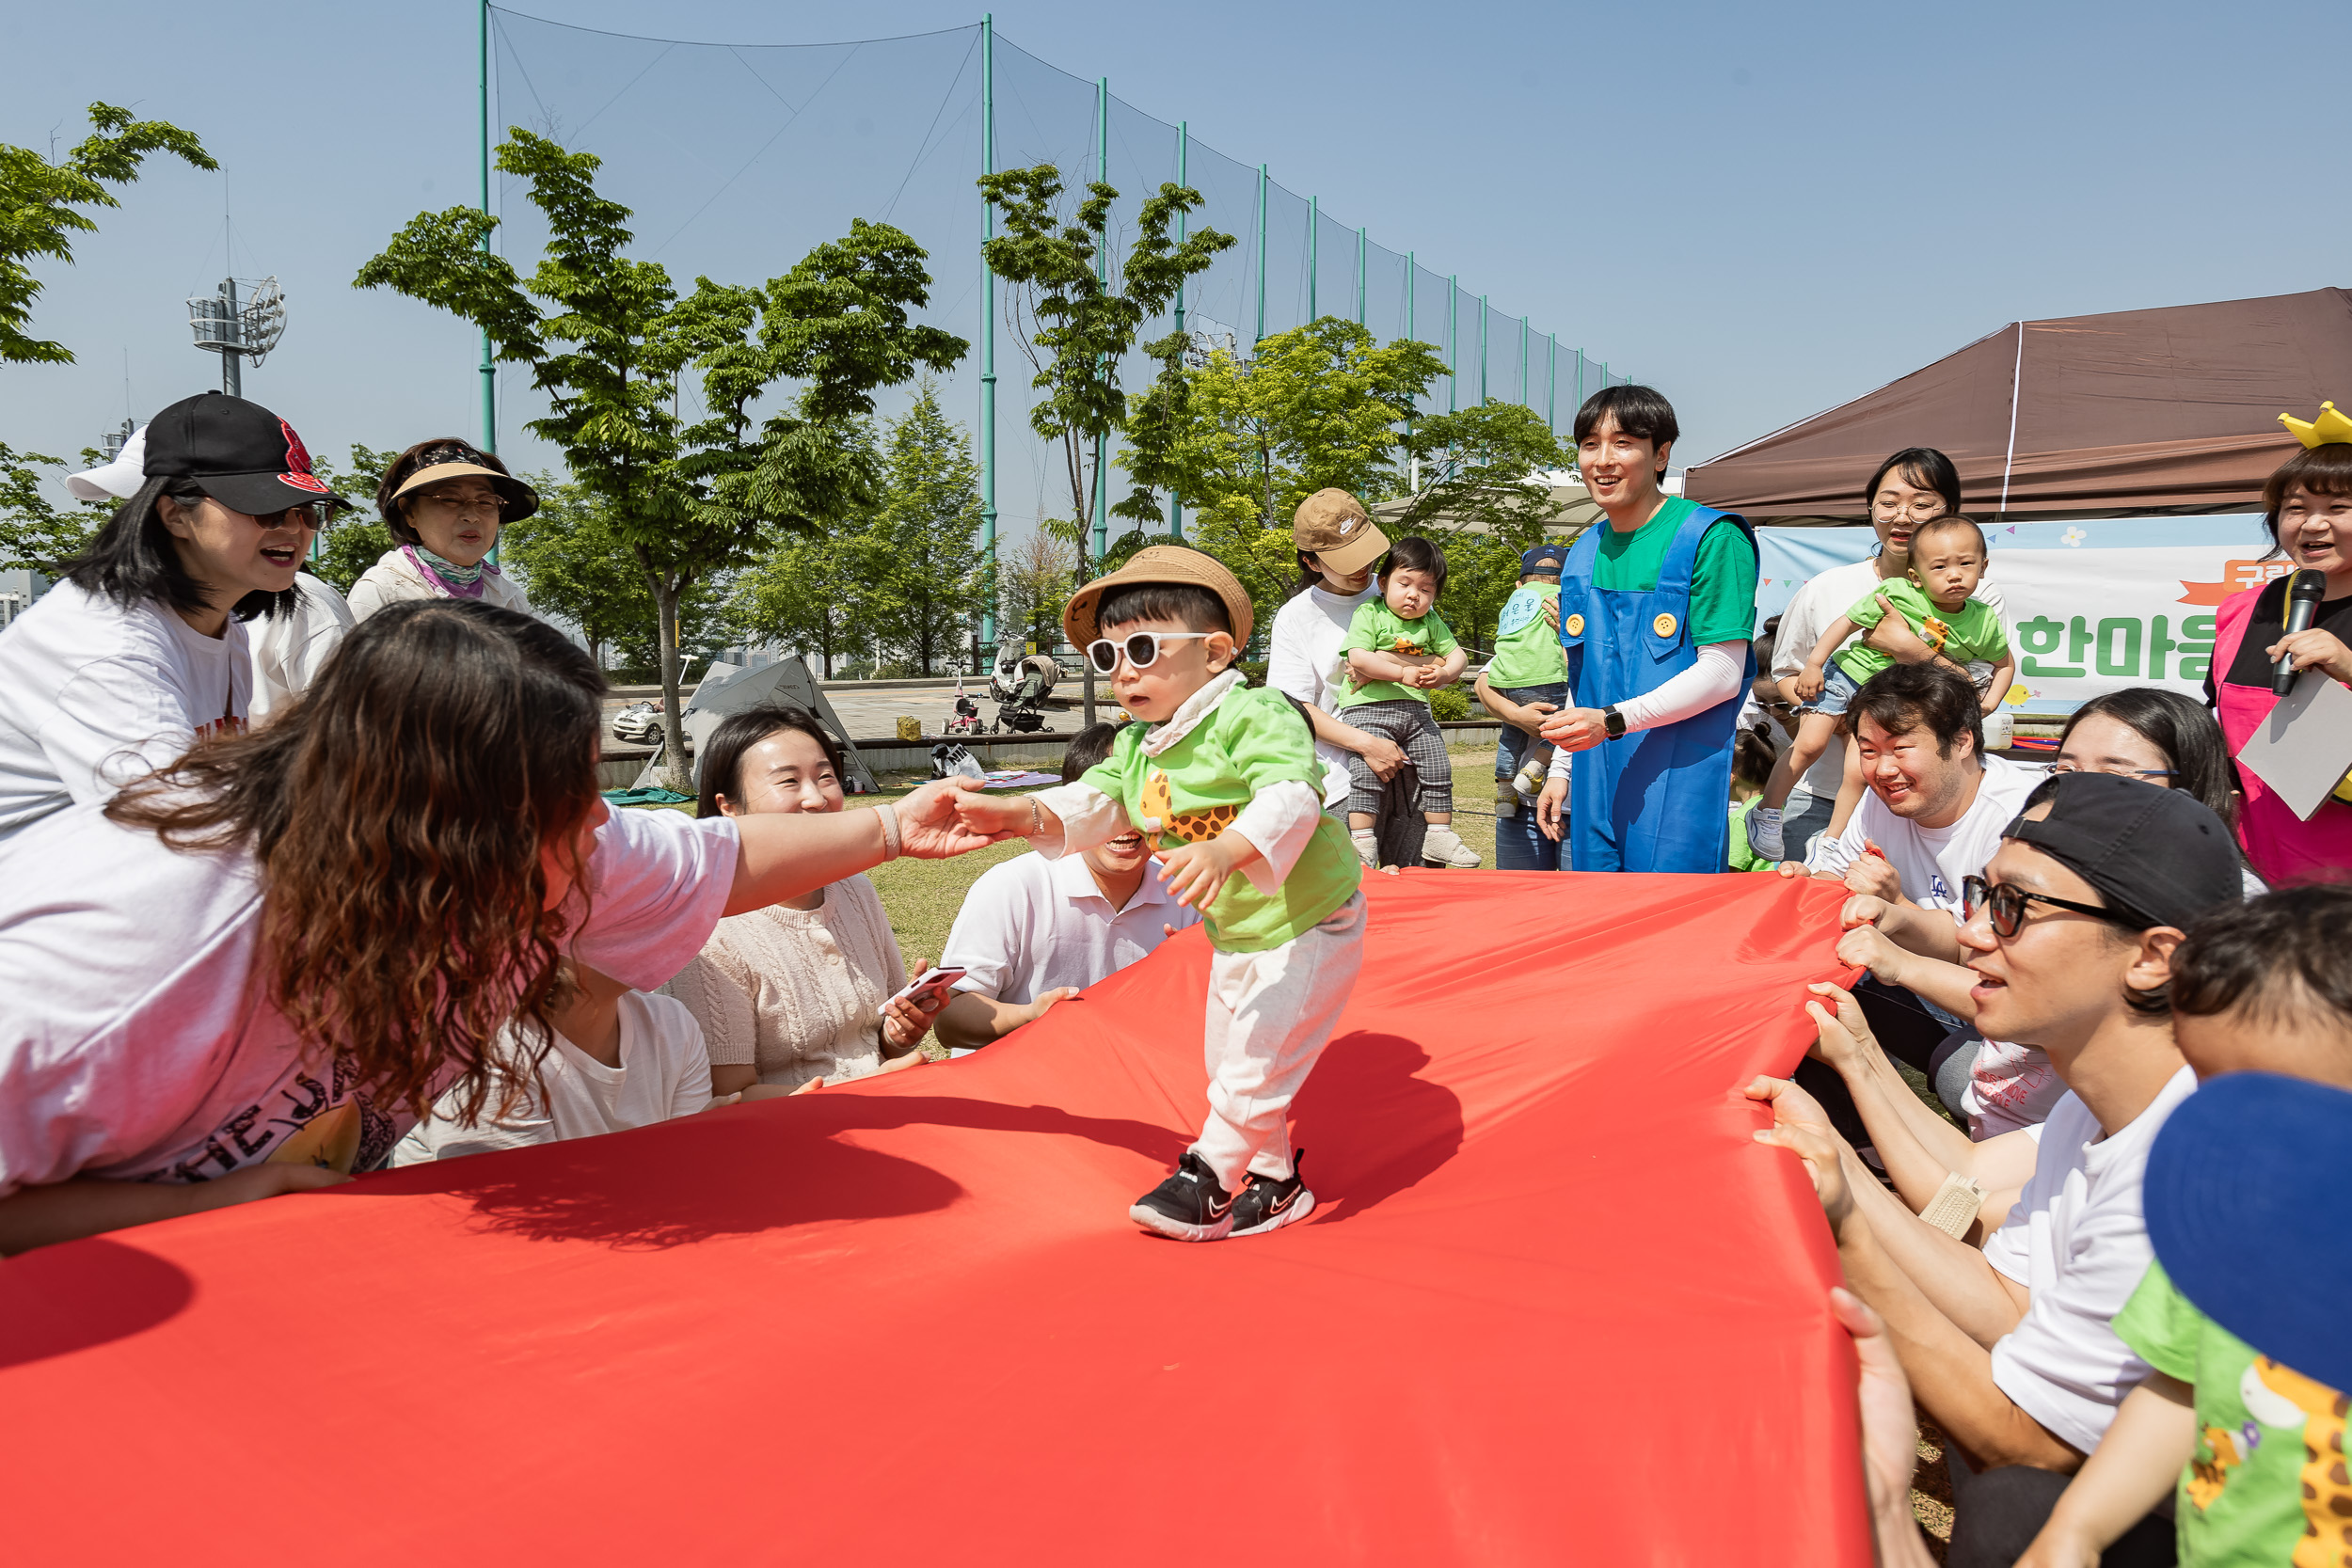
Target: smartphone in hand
{"points": [[931, 990]]}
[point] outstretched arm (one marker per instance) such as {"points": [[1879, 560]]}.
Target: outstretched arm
{"points": [[786, 855]]}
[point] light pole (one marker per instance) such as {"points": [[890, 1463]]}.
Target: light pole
{"points": [[236, 332]]}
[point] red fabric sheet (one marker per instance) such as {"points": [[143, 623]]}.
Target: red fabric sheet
{"points": [[1555, 1306]]}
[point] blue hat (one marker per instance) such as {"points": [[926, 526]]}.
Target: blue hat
{"points": [[1543, 558], [2244, 1197]]}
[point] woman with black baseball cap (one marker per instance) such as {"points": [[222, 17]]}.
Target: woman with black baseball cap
{"points": [[445, 502], [141, 650]]}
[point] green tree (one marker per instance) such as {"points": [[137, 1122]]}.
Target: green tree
{"points": [[36, 531], [358, 539], [38, 217], [928, 576], [1078, 308], [1484, 496], [1315, 407], [1034, 581], [574, 565], [613, 346], [809, 592]]}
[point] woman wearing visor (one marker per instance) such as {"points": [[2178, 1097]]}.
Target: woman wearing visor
{"points": [[444, 501], [142, 649]]}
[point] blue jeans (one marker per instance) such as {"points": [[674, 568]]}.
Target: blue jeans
{"points": [[1519, 845]]}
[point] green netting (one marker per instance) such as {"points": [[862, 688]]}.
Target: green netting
{"points": [[737, 158]]}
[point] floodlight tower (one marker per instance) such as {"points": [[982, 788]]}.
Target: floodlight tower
{"points": [[237, 332]]}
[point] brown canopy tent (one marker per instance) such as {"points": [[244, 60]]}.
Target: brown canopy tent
{"points": [[2142, 413]]}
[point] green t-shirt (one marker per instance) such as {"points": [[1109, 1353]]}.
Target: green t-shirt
{"points": [[1527, 646], [1744, 855], [2267, 1437], [1253, 738], [1974, 633], [1377, 628], [1722, 579]]}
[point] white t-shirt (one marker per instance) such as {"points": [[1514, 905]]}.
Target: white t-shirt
{"points": [[93, 695], [2009, 1087], [1303, 661], [2077, 1241], [1933, 860], [1824, 597], [1031, 924], [289, 650], [149, 1050], [664, 1072]]}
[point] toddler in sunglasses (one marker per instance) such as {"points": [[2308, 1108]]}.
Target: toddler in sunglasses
{"points": [[1223, 781]]}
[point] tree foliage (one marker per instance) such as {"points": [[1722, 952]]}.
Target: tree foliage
{"points": [[38, 215], [1034, 579], [358, 539], [924, 575], [610, 344], [1485, 494], [36, 531]]}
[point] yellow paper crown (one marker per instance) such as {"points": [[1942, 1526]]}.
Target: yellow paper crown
{"points": [[2329, 429]]}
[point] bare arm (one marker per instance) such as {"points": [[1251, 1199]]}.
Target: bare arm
{"points": [[1371, 665], [2137, 1464], [1997, 688], [786, 855], [971, 1019], [68, 1210], [1833, 637]]}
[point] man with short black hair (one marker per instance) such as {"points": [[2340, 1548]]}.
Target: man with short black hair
{"points": [[1656, 610], [2071, 931]]}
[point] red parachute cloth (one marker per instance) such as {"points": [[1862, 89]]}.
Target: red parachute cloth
{"points": [[1555, 1306]]}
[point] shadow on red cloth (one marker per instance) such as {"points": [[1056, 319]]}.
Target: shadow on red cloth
{"points": [[726, 1172], [1389, 1127], [114, 1291]]}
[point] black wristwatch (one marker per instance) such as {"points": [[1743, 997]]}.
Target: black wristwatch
{"points": [[1613, 722]]}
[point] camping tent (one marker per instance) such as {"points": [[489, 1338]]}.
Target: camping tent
{"points": [[2142, 413]]}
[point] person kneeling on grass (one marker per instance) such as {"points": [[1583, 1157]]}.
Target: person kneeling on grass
{"points": [[2254, 1445], [615, 1058], [1220, 778]]}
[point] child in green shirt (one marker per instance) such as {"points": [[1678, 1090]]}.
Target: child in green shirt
{"points": [[1397, 651], [1948, 560], [1223, 781], [2252, 1448]]}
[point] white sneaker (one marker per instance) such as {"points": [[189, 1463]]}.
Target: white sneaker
{"points": [[1764, 834], [1367, 847], [1446, 849]]}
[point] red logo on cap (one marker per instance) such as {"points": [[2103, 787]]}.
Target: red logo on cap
{"points": [[298, 464]]}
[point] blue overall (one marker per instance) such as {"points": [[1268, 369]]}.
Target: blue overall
{"points": [[1656, 800]]}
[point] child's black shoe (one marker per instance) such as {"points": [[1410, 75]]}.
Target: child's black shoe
{"points": [[1268, 1205], [1190, 1206]]}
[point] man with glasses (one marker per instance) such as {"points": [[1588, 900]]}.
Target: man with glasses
{"points": [[2070, 933]]}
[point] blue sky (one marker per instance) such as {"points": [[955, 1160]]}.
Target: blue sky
{"points": [[1762, 211]]}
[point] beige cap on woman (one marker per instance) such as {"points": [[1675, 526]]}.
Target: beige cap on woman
{"points": [[1334, 525]]}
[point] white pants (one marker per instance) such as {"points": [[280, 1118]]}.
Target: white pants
{"points": [[1270, 1015]]}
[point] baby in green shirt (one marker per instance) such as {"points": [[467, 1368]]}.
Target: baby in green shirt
{"points": [[1948, 560], [1222, 780], [1398, 650]]}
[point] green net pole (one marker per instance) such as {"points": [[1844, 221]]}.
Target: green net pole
{"points": [[1412, 266], [1360, 304], [1523, 402], [1314, 259], [1453, 343], [1551, 382], [1261, 336], [988, 328], [1183, 149], [1103, 276], [1482, 351], [489, 372]]}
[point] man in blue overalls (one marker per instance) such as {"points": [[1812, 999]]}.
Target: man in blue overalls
{"points": [[1656, 610]]}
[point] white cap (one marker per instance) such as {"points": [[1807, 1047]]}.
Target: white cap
{"points": [[118, 481]]}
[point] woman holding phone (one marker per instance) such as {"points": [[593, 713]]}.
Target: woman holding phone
{"points": [[805, 991]]}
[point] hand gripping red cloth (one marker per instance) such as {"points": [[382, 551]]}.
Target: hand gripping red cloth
{"points": [[1554, 1305]]}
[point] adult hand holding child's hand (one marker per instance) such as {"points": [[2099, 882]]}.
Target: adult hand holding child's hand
{"points": [[986, 819], [938, 820]]}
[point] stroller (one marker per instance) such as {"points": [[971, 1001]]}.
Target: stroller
{"points": [[1021, 682]]}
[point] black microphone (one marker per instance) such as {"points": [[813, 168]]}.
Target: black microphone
{"points": [[2302, 604]]}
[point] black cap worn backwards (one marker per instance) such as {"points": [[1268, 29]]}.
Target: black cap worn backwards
{"points": [[2157, 854], [238, 453]]}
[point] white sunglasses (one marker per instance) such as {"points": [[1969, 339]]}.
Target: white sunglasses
{"points": [[1142, 648]]}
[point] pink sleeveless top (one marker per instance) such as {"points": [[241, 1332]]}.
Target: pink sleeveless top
{"points": [[2282, 846]]}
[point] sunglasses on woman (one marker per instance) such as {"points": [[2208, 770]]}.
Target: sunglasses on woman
{"points": [[1142, 648], [2006, 903]]}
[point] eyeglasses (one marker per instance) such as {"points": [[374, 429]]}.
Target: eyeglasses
{"points": [[2006, 903], [2150, 773], [1142, 648], [481, 501]]}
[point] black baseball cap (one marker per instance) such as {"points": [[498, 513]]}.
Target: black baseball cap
{"points": [[1543, 558], [2244, 1198], [238, 453], [2159, 855]]}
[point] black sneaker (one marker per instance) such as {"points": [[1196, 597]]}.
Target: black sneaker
{"points": [[1267, 1205], [1190, 1206]]}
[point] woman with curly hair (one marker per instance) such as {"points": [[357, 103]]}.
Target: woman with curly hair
{"points": [[258, 966]]}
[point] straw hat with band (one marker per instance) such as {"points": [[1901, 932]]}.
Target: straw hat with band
{"points": [[1334, 526], [238, 453], [1160, 564], [447, 460]]}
